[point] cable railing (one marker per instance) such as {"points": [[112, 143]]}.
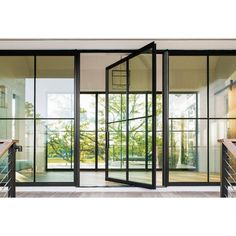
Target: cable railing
{"points": [[228, 168], [8, 150]]}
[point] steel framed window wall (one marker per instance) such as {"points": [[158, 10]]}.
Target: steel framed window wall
{"points": [[208, 118], [166, 54], [35, 54]]}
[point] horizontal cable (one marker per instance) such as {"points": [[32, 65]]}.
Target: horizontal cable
{"points": [[2, 187], [229, 184], [230, 167], [4, 177], [229, 194], [3, 169], [3, 159], [230, 175], [5, 194]]}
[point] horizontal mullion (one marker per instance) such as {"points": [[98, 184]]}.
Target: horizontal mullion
{"points": [[88, 131], [54, 118], [32, 118], [130, 119], [187, 118]]}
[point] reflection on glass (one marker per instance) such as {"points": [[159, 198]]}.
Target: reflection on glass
{"points": [[55, 87], [16, 86], [188, 76], [22, 130], [183, 105], [222, 76]]}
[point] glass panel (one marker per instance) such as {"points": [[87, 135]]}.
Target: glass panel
{"points": [[101, 150], [59, 144], [222, 87], [137, 105], [92, 73], [137, 144], [101, 129], [188, 136], [101, 112], [183, 105], [55, 87], [54, 149], [117, 107], [136, 86], [117, 81], [16, 86], [159, 153], [87, 149], [140, 143], [22, 130], [219, 129], [87, 112], [188, 86], [87, 130], [117, 150], [159, 138], [188, 150]]}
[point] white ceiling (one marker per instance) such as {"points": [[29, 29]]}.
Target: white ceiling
{"points": [[11, 44]]}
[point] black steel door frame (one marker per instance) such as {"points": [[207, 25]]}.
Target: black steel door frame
{"points": [[151, 46]]}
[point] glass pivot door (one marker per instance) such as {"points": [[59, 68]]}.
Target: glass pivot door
{"points": [[131, 119]]}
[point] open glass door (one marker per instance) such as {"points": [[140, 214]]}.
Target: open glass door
{"points": [[131, 119]]}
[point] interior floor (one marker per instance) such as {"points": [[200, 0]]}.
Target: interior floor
{"points": [[97, 178]]}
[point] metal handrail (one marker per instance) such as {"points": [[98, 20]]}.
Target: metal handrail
{"points": [[228, 181], [8, 181]]}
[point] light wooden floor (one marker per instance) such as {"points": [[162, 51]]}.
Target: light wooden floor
{"points": [[94, 179]]}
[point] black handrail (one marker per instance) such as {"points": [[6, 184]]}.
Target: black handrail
{"points": [[228, 168], [8, 168]]}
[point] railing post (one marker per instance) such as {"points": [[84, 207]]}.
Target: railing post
{"points": [[11, 171], [224, 175]]}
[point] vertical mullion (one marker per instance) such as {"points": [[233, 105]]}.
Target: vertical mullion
{"points": [[165, 107], [106, 124], [35, 75], [127, 119], [208, 128], [46, 148], [196, 132], [146, 131], [71, 143], [77, 119], [96, 131], [121, 133], [154, 116]]}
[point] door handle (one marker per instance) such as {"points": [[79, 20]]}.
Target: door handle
{"points": [[107, 140]]}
